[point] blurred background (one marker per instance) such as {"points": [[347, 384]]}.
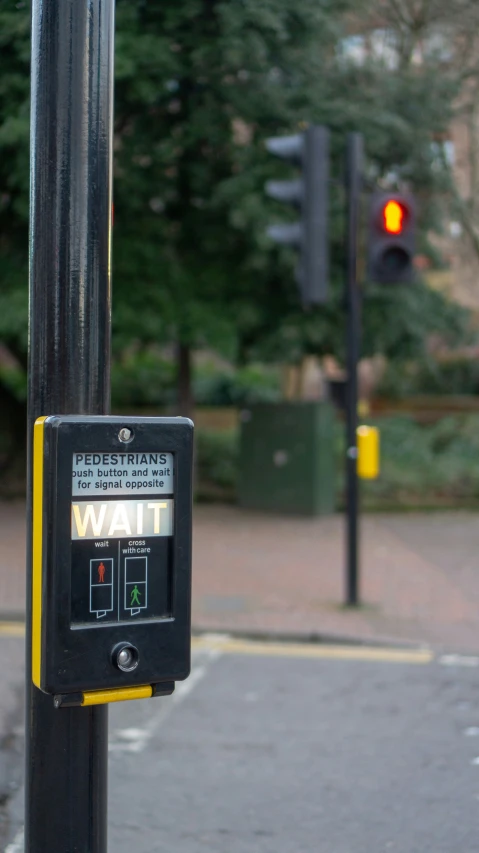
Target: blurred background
{"points": [[207, 323], [206, 314]]}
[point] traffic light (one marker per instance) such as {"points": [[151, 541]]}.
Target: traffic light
{"points": [[392, 225], [309, 193]]}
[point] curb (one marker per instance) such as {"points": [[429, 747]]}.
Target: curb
{"points": [[312, 638]]}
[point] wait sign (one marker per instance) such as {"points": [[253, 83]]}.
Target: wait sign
{"points": [[118, 519]]}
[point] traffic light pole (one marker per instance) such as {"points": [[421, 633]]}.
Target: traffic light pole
{"points": [[354, 158], [69, 364]]}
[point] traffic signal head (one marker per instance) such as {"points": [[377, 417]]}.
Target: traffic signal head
{"points": [[391, 238], [309, 194]]}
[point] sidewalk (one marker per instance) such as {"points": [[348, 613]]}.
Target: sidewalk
{"points": [[419, 576], [270, 574]]}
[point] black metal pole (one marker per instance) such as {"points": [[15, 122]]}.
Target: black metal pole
{"points": [[69, 363], [354, 158]]}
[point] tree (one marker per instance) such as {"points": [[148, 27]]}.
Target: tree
{"points": [[14, 178], [439, 40], [200, 84], [14, 173]]}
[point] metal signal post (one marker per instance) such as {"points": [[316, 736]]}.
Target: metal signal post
{"points": [[69, 363], [354, 157]]}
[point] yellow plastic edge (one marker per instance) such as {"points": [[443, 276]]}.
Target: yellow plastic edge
{"points": [[37, 548], [102, 697]]}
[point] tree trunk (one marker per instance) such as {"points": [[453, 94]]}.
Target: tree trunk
{"points": [[184, 381]]}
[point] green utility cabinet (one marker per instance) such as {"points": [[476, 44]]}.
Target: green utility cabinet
{"points": [[287, 458]]}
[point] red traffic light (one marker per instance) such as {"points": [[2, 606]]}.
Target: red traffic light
{"points": [[394, 215], [391, 238]]}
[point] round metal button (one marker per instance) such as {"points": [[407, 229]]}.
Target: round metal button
{"points": [[126, 657]]}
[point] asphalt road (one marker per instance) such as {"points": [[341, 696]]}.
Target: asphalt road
{"points": [[289, 754], [288, 749]]}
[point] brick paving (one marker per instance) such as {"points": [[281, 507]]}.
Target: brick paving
{"points": [[277, 575], [420, 576], [12, 558]]}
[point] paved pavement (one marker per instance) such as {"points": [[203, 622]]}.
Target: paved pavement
{"points": [[269, 574], [281, 755], [12, 558], [11, 724], [419, 576], [296, 749]]}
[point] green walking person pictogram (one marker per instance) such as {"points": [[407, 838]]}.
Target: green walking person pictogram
{"points": [[135, 593]]}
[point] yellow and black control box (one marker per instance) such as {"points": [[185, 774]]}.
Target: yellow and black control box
{"points": [[112, 518]]}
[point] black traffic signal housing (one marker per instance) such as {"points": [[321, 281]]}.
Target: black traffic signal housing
{"points": [[309, 194], [391, 238]]}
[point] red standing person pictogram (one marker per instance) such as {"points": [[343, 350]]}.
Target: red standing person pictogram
{"points": [[101, 573]]}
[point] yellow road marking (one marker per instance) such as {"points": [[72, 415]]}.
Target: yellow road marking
{"points": [[229, 645], [232, 646], [12, 629]]}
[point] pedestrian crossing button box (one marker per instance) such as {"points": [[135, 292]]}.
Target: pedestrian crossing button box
{"points": [[112, 515]]}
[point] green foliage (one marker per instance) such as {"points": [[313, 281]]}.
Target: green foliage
{"points": [[253, 383], [14, 379], [426, 465], [421, 466], [398, 320], [199, 86], [14, 172], [429, 376], [143, 376], [217, 454]]}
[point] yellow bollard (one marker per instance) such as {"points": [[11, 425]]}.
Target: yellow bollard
{"points": [[368, 452]]}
